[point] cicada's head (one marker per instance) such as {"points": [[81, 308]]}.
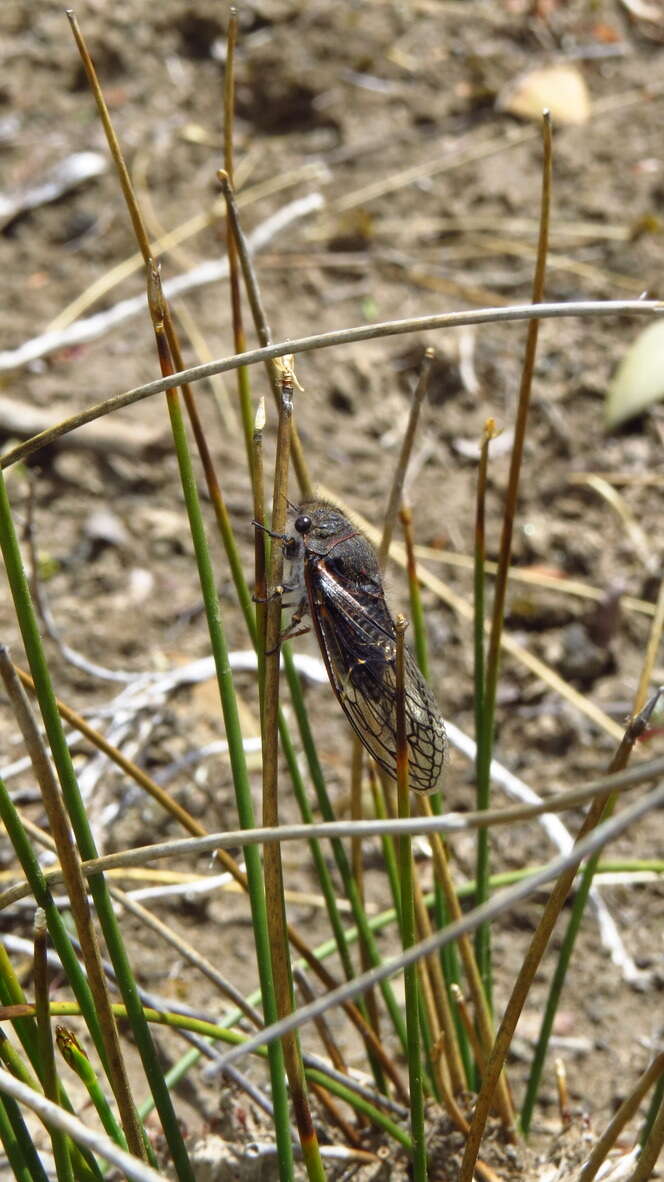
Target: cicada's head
{"points": [[322, 526], [327, 534], [320, 520]]}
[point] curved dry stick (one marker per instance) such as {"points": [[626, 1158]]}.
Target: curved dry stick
{"points": [[449, 823], [364, 332]]}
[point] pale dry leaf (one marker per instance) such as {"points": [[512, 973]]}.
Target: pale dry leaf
{"points": [[639, 380], [559, 88]]}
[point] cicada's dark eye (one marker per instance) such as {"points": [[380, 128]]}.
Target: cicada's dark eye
{"points": [[303, 524]]}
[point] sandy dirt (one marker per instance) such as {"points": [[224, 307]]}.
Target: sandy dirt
{"points": [[345, 100]]}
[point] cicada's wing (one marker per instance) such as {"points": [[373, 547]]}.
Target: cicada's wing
{"points": [[425, 730], [358, 642]]}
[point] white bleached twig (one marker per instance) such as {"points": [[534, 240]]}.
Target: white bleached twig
{"points": [[210, 271], [55, 1117]]}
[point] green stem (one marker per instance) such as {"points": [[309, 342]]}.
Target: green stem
{"points": [[85, 1165], [360, 1104], [405, 858], [76, 1058], [63, 946], [557, 983], [18, 1143], [653, 1108], [84, 839], [338, 850], [59, 1142], [239, 770]]}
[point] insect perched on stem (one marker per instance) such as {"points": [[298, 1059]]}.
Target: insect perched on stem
{"points": [[335, 571]]}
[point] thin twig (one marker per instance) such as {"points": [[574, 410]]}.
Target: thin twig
{"points": [[394, 500], [239, 338], [261, 325], [483, 782], [55, 1117], [274, 887]]}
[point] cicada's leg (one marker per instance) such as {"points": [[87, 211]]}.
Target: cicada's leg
{"points": [[282, 589], [295, 628]]}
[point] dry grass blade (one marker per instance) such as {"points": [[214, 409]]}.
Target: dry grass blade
{"points": [[652, 648], [536, 578], [169, 242], [430, 168], [633, 530]]}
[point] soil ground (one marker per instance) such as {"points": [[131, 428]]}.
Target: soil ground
{"points": [[344, 100]]}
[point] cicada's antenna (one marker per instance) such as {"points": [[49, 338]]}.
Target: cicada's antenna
{"points": [[269, 532]]}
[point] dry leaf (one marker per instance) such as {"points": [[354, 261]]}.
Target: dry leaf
{"points": [[559, 88], [639, 379]]}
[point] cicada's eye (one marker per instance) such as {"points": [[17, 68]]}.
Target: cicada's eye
{"points": [[302, 523]]}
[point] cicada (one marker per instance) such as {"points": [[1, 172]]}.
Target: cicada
{"points": [[335, 573]]}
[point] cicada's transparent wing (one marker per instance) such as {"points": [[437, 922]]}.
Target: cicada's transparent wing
{"points": [[357, 638], [425, 730]]}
